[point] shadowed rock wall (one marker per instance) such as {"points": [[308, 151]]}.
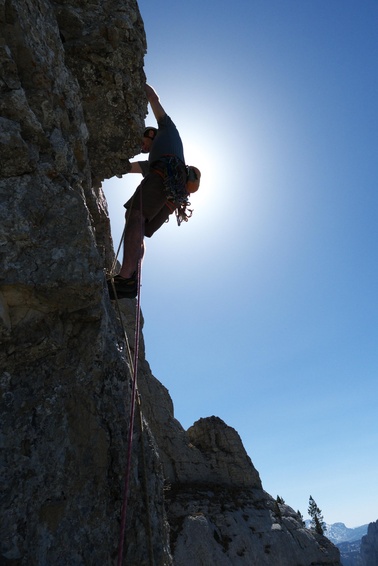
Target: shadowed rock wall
{"points": [[72, 109], [71, 77], [369, 546]]}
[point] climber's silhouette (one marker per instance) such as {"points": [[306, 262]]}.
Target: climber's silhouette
{"points": [[165, 189]]}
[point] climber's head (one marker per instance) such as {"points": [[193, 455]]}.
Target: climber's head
{"points": [[149, 135]]}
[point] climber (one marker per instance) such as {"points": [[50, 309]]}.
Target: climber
{"points": [[165, 189]]}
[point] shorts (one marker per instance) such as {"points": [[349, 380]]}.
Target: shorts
{"points": [[151, 197]]}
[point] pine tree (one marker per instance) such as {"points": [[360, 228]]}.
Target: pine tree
{"points": [[317, 521], [300, 518]]}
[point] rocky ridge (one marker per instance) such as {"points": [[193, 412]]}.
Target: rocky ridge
{"points": [[369, 546], [72, 112]]}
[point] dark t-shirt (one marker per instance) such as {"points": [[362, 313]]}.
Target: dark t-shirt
{"points": [[167, 141]]}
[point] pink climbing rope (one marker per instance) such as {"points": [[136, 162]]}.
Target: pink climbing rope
{"points": [[131, 428], [132, 411]]}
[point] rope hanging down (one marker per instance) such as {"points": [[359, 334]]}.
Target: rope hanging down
{"points": [[133, 361], [135, 399], [131, 425]]}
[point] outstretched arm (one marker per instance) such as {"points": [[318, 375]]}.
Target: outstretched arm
{"points": [[154, 101]]}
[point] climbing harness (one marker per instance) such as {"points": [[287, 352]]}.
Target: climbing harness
{"points": [[135, 400], [174, 175]]}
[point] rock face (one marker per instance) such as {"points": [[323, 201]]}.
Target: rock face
{"points": [[369, 546], [72, 112]]}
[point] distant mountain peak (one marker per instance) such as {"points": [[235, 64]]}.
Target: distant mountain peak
{"points": [[339, 532]]}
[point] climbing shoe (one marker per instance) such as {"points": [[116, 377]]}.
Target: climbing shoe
{"points": [[124, 288]]}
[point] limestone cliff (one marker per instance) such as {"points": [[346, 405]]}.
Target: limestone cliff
{"points": [[369, 546], [72, 112]]}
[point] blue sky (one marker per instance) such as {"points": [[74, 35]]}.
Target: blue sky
{"points": [[262, 309]]}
